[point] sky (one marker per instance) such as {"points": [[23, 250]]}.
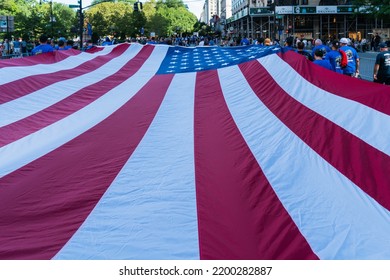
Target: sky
{"points": [[195, 6]]}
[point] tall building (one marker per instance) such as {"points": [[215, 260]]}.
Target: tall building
{"points": [[210, 8], [309, 19], [226, 10]]}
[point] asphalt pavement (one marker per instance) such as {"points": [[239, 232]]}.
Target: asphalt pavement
{"points": [[367, 62]]}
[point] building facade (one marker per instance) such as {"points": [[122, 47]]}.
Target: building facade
{"points": [[309, 19], [210, 9]]}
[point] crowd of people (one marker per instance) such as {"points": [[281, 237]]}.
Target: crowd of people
{"points": [[340, 56]]}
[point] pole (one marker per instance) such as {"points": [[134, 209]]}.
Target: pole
{"points": [[51, 18], [81, 23]]}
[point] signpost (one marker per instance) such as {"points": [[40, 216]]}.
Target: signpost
{"points": [[6, 24]]}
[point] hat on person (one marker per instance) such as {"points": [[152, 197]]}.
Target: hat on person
{"points": [[336, 44], [267, 41], [383, 45], [343, 41]]}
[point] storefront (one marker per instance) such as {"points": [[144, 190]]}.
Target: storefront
{"points": [[325, 22]]}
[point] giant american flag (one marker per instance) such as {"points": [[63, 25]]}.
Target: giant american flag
{"points": [[163, 152]]}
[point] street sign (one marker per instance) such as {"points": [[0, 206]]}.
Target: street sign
{"points": [[74, 6], [6, 23]]}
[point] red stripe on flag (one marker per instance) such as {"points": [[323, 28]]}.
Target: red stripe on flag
{"points": [[364, 165], [72, 103], [45, 58], [94, 49], [46, 201], [370, 94], [239, 215], [33, 83]]}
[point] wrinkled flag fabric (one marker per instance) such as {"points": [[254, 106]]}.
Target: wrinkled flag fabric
{"points": [[162, 152]]}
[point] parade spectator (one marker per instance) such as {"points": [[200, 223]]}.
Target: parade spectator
{"points": [[352, 68], [267, 42], [377, 40], [17, 46], [43, 46], [382, 65], [6, 47], [363, 44]]}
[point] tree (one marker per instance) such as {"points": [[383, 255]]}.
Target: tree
{"points": [[95, 2], [170, 3], [171, 17], [158, 23], [373, 8], [111, 19], [32, 18]]}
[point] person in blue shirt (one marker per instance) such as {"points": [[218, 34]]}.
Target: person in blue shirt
{"points": [[43, 46], [17, 46], [318, 59], [318, 45], [334, 57], [244, 41], [352, 68], [61, 44]]}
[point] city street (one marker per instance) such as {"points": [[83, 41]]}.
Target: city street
{"points": [[367, 61]]}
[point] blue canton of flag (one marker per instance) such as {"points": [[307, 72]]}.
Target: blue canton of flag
{"points": [[184, 59]]}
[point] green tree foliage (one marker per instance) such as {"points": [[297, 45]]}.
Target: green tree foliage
{"points": [[33, 17], [95, 2], [110, 18], [375, 8], [107, 17], [171, 17]]}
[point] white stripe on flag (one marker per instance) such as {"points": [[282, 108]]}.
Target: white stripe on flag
{"points": [[334, 214], [360, 120], [13, 73], [30, 104], [149, 211], [35, 145]]}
